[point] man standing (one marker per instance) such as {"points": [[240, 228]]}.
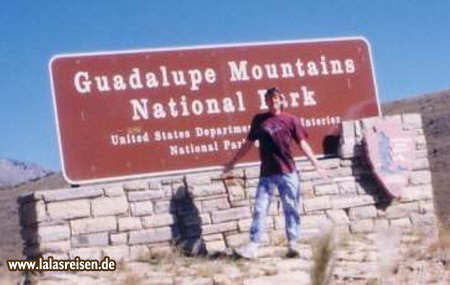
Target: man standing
{"points": [[275, 130]]}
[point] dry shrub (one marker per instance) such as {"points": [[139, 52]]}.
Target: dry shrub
{"points": [[323, 259]]}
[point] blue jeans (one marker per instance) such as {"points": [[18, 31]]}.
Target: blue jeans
{"points": [[289, 190]]}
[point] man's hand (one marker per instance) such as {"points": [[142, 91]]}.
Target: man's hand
{"points": [[306, 148], [238, 155]]}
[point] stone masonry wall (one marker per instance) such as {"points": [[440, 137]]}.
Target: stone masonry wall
{"points": [[128, 220]]}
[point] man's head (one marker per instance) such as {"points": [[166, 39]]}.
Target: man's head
{"points": [[275, 100]]}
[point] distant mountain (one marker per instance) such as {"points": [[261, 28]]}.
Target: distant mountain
{"points": [[13, 172]]}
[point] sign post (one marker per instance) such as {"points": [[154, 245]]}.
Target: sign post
{"points": [[161, 111]]}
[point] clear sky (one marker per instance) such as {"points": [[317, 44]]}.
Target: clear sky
{"points": [[410, 42]]}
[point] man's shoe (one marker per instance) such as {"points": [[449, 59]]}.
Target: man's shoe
{"points": [[292, 251], [249, 251]]}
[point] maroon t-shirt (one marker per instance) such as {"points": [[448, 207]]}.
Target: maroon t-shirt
{"points": [[275, 134]]}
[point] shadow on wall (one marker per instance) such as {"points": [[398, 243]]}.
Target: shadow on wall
{"points": [[28, 217], [187, 230], [330, 145], [369, 183]]}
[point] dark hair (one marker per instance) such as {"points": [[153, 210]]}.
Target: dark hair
{"points": [[272, 92]]}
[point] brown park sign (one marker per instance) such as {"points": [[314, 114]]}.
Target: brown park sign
{"points": [[165, 111]]}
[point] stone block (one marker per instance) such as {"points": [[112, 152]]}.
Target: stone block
{"points": [[207, 189], [348, 133], [167, 191], [141, 208], [346, 172], [93, 225], [155, 184], [235, 240], [216, 246], [216, 204], [53, 233], [219, 228], [362, 226], [90, 240], [109, 206], [417, 192], [86, 253], [359, 133], [421, 142], [338, 217], [158, 220], [150, 236], [349, 201], [402, 210], [313, 221], [198, 179], [117, 252], [309, 235], [119, 238], [236, 193], [172, 179], [402, 223], [421, 164], [135, 196], [55, 247], [347, 187], [244, 225], [426, 207], [364, 212], [346, 163], [252, 172], [306, 167], [32, 213], [317, 204], [139, 253], [423, 153], [424, 220], [310, 175], [233, 181], [346, 151], [250, 192], [69, 209], [135, 185], [163, 206], [380, 225], [72, 194], [307, 189], [214, 237], [326, 189], [331, 163], [114, 191], [230, 215], [251, 182], [412, 121], [240, 203], [420, 177], [129, 223]]}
